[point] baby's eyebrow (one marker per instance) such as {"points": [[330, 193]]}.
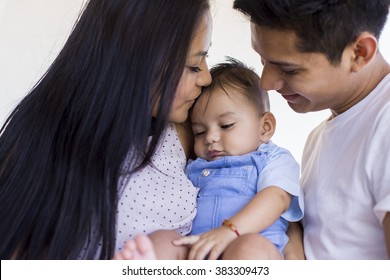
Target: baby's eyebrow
{"points": [[221, 116], [226, 114]]}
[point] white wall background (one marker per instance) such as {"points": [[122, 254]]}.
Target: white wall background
{"points": [[33, 31]]}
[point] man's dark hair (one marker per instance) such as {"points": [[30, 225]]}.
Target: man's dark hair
{"points": [[323, 26]]}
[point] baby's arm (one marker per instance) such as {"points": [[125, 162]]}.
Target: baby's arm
{"points": [[261, 212]]}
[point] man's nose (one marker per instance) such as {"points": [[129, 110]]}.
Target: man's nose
{"points": [[271, 78]]}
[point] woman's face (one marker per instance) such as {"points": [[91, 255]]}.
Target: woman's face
{"points": [[196, 72]]}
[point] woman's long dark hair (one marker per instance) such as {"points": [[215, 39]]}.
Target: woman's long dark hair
{"points": [[62, 148]]}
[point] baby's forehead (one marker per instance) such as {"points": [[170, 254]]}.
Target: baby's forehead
{"points": [[229, 93], [225, 91], [211, 98]]}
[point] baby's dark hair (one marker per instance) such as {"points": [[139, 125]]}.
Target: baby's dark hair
{"points": [[234, 74]]}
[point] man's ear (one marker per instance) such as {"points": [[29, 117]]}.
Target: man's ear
{"points": [[364, 50], [268, 127]]}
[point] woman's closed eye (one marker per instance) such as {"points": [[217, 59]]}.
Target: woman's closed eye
{"points": [[195, 69]]}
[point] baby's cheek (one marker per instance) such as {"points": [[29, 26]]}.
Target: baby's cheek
{"points": [[199, 149]]}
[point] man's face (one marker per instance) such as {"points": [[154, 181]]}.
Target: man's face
{"points": [[308, 81]]}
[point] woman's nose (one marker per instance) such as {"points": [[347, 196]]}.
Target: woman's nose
{"points": [[205, 76]]}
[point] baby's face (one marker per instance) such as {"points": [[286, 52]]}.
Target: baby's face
{"points": [[225, 125]]}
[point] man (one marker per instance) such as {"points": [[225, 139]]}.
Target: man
{"points": [[324, 54]]}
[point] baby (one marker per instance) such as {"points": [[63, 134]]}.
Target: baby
{"points": [[248, 187]]}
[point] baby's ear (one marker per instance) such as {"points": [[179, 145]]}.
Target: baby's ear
{"points": [[268, 127], [364, 50]]}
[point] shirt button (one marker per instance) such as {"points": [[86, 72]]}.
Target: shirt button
{"points": [[206, 172]]}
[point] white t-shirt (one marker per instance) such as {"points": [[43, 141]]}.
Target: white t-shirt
{"points": [[160, 196], [346, 181]]}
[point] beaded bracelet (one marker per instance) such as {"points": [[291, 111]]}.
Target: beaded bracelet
{"points": [[229, 224]]}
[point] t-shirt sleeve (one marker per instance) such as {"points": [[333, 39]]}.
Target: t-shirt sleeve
{"points": [[282, 170], [378, 163]]}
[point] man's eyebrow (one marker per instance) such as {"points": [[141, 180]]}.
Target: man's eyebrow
{"points": [[275, 62], [284, 64]]}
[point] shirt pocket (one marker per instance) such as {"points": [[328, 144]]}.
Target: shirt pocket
{"points": [[227, 181]]}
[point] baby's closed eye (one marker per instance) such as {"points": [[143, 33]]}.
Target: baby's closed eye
{"points": [[227, 126]]}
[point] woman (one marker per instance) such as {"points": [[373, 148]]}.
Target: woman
{"points": [[96, 120]]}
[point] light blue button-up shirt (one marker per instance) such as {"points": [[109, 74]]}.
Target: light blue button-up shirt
{"points": [[227, 184]]}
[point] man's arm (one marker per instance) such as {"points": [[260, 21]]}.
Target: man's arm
{"points": [[294, 248], [386, 228]]}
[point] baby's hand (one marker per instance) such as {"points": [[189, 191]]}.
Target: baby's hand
{"points": [[186, 240], [208, 245]]}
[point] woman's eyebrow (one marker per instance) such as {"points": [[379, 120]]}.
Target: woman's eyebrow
{"points": [[200, 53]]}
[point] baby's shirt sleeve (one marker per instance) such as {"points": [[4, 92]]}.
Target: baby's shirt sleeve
{"points": [[281, 170]]}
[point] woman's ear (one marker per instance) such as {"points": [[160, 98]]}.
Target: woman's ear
{"points": [[268, 127], [364, 49]]}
